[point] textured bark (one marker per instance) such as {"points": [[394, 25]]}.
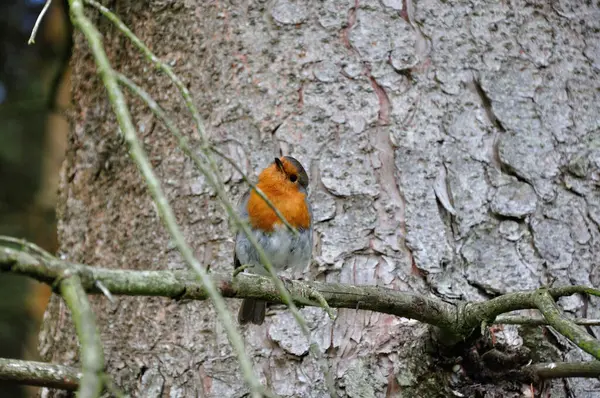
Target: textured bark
{"points": [[492, 106]]}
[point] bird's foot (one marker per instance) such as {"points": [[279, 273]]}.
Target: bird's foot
{"points": [[240, 269], [287, 282]]}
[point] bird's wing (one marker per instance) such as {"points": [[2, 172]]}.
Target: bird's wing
{"points": [[243, 205], [243, 212], [310, 210], [308, 206], [312, 222]]}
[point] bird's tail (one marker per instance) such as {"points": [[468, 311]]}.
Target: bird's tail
{"points": [[252, 311]]}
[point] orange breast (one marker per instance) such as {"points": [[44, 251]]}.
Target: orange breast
{"points": [[291, 203]]}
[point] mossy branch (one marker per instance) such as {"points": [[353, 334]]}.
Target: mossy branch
{"points": [[559, 370], [185, 285], [545, 303], [460, 319], [40, 374]]}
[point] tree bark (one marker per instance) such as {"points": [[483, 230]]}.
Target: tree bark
{"points": [[452, 149]]}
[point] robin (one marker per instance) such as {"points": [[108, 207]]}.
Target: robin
{"points": [[285, 183]]}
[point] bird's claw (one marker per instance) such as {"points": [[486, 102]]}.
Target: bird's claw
{"points": [[287, 282], [239, 269]]}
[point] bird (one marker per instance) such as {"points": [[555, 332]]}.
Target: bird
{"points": [[285, 183]]}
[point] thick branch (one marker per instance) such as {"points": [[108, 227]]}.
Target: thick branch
{"points": [[92, 357], [67, 378], [185, 285], [39, 374], [538, 321], [456, 320], [558, 370]]}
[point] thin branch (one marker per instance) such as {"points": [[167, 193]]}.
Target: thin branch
{"points": [[538, 321], [26, 246], [38, 22], [214, 180], [137, 154], [576, 334], [254, 187], [184, 144], [91, 356], [39, 374], [557, 292], [106, 292], [558, 370], [475, 313], [47, 375]]}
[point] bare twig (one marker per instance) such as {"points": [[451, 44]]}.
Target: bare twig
{"points": [[105, 291], [475, 313], [38, 22], [137, 154], [26, 246], [39, 374], [254, 187], [184, 143], [91, 357]]}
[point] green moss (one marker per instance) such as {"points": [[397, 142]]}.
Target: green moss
{"points": [[542, 345]]}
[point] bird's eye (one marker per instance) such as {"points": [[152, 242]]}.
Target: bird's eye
{"points": [[293, 178]]}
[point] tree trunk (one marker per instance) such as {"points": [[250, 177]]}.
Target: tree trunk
{"points": [[493, 106]]}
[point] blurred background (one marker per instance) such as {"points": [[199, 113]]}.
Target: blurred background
{"points": [[34, 95]]}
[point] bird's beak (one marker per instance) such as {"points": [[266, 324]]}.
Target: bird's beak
{"points": [[279, 164]]}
